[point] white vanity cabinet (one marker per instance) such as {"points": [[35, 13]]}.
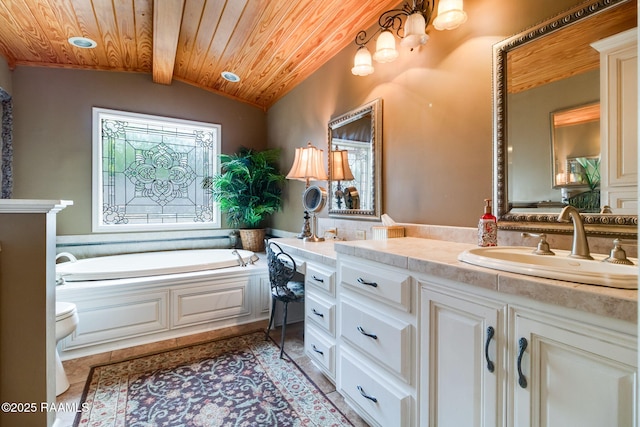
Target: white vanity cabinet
{"points": [[377, 366], [320, 317], [551, 367], [420, 339]]}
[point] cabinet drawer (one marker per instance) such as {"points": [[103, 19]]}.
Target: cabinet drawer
{"points": [[321, 350], [383, 338], [383, 403], [321, 312], [388, 286], [320, 279]]}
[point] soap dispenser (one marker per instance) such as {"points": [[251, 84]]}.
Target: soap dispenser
{"points": [[487, 227]]}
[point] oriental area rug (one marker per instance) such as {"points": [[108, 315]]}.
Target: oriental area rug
{"points": [[238, 381]]}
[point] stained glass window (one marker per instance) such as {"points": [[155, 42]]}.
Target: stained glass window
{"points": [[148, 172]]}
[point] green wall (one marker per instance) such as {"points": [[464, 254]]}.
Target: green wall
{"points": [[52, 128]]}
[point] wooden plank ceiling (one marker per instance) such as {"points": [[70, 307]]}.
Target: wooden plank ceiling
{"points": [[273, 45]]}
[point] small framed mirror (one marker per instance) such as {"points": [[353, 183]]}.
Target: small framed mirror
{"points": [[313, 200], [355, 165]]}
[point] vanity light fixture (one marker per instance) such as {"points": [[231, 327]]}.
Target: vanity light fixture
{"points": [[412, 32], [340, 171], [307, 166]]}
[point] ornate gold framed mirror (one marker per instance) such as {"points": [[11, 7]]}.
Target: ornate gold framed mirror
{"points": [[355, 163], [550, 67]]}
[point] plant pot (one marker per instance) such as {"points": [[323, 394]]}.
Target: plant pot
{"points": [[253, 239]]}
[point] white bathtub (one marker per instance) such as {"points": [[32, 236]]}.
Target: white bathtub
{"points": [[151, 264], [127, 300]]}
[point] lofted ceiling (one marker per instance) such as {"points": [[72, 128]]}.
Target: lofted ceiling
{"points": [[273, 45]]}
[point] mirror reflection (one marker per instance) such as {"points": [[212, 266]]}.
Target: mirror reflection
{"points": [[553, 140], [575, 147], [354, 162]]}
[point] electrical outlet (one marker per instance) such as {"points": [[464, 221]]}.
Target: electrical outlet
{"points": [[361, 235]]}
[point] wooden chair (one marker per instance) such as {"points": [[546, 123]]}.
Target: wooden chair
{"points": [[282, 268]]}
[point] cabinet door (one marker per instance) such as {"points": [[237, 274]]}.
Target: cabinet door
{"points": [[462, 344], [567, 374]]}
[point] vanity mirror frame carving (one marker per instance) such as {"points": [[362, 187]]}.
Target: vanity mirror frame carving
{"points": [[373, 108], [595, 224]]}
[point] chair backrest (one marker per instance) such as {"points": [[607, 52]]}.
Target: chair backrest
{"points": [[282, 268]]}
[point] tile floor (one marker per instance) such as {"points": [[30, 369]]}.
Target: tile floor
{"points": [[78, 369]]}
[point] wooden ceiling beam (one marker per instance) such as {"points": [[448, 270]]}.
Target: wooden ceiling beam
{"points": [[167, 18]]}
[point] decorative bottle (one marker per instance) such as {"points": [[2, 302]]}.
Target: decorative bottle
{"points": [[487, 227]]}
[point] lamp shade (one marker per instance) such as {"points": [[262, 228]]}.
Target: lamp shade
{"points": [[450, 15], [340, 170], [362, 62], [385, 47], [307, 165], [414, 31]]}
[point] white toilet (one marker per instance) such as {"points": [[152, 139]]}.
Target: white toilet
{"points": [[66, 323]]}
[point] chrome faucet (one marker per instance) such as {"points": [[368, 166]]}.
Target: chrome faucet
{"points": [[580, 247], [241, 262]]}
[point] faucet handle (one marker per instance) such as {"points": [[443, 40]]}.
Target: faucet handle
{"points": [[543, 245], [618, 255]]}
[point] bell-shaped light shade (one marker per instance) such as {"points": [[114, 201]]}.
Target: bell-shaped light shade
{"points": [[450, 15], [414, 31], [362, 62], [340, 170], [385, 47], [307, 165]]}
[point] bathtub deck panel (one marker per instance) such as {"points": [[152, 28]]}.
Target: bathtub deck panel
{"points": [[212, 302], [115, 314], [119, 317]]}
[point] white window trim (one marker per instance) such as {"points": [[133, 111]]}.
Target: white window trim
{"points": [[98, 226]]}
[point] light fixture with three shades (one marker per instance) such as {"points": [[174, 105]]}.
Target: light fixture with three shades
{"points": [[409, 24]]}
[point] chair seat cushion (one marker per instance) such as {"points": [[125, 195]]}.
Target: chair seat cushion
{"points": [[296, 292]]}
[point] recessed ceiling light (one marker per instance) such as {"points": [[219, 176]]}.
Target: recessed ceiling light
{"points": [[229, 76], [82, 42]]}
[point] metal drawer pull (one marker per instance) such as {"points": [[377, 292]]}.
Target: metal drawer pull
{"points": [[362, 331], [371, 398], [364, 282], [523, 346], [317, 351], [317, 279], [490, 333], [317, 313]]}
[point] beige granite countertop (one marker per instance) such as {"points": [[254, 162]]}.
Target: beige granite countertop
{"points": [[440, 258]]}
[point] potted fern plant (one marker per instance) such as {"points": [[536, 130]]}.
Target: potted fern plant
{"points": [[248, 189]]}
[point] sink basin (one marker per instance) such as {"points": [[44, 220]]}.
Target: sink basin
{"points": [[522, 260]]}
